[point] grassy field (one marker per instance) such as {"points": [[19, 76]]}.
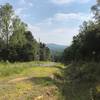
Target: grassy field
{"points": [[29, 81]]}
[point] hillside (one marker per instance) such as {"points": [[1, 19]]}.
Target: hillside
{"points": [[56, 47]]}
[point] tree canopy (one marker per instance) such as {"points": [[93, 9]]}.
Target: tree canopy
{"points": [[16, 42]]}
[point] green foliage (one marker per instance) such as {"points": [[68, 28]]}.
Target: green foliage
{"points": [[44, 52], [83, 56], [83, 72], [18, 36], [81, 81], [56, 52], [25, 46], [26, 68], [85, 45], [57, 56], [16, 43], [6, 17]]}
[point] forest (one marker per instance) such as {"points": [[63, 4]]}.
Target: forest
{"points": [[16, 41], [83, 60], [28, 66]]}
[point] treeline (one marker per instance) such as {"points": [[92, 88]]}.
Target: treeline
{"points": [[82, 57], [86, 45], [16, 42]]}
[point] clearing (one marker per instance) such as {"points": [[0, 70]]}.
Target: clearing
{"points": [[29, 81]]}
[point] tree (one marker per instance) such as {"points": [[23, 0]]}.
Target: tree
{"points": [[85, 46], [31, 46], [96, 11], [6, 17], [16, 42], [48, 54], [44, 52], [18, 36]]}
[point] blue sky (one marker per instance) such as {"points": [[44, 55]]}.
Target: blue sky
{"points": [[53, 21]]}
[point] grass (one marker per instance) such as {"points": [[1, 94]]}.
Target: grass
{"points": [[8, 69], [27, 81]]}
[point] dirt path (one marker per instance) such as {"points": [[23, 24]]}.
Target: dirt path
{"points": [[18, 79]]}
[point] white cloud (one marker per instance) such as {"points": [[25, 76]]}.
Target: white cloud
{"points": [[57, 35], [71, 16], [66, 17], [62, 1], [56, 28], [68, 1], [64, 30], [64, 35], [51, 30]]}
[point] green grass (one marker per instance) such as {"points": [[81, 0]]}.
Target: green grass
{"points": [[8, 69], [26, 81]]}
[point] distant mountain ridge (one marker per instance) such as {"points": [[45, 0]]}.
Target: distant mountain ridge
{"points": [[56, 47]]}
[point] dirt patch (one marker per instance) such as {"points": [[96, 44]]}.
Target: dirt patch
{"points": [[18, 79]]}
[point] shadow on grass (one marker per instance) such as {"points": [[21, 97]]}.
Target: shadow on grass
{"points": [[42, 80]]}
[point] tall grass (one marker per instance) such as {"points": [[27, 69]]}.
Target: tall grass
{"points": [[7, 69]]}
